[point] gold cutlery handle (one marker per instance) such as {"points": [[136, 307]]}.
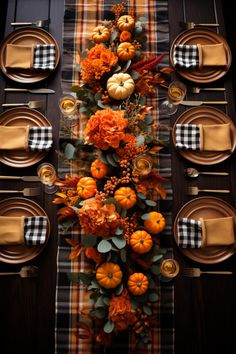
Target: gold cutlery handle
{"points": [[9, 89], [212, 88], [10, 191], [13, 104], [210, 173], [207, 24], [21, 23], [217, 272], [10, 177], [214, 190], [8, 273], [215, 102]]}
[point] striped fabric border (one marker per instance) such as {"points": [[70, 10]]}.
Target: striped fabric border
{"points": [[81, 16]]}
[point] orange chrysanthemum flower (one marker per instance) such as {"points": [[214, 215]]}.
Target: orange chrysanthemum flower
{"points": [[128, 149], [98, 61], [98, 219], [121, 312], [106, 129]]}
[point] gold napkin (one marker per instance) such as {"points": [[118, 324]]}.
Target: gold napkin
{"points": [[11, 230], [19, 56], [218, 232], [14, 138], [212, 55], [215, 137]]}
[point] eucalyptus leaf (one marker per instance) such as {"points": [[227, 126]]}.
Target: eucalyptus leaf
{"points": [[102, 157], [134, 304], [126, 66], [140, 140], [119, 242], [119, 231], [157, 257], [142, 100], [145, 216], [100, 313], [116, 157], [148, 119], [69, 151], [73, 277], [111, 161], [99, 302], [101, 104], [117, 69], [155, 269], [86, 279], [147, 310], [141, 195], [123, 255], [150, 202], [83, 109], [106, 300], [104, 246], [108, 327], [135, 75], [123, 213], [119, 289], [89, 240], [98, 96], [153, 297], [114, 35]]}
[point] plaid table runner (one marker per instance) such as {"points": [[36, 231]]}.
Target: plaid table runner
{"points": [[81, 16]]}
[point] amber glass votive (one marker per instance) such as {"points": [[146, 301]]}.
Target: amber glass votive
{"points": [[143, 164], [169, 268]]}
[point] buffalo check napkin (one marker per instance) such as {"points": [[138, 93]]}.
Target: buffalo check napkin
{"points": [[16, 230], [203, 137], [44, 56], [186, 56], [205, 232], [25, 138]]}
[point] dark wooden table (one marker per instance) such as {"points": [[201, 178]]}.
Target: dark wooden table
{"points": [[205, 308]]}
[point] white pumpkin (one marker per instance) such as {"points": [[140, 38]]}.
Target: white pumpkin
{"points": [[120, 86]]}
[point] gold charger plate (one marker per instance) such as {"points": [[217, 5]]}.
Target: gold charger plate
{"points": [[22, 117], [201, 36], [205, 115], [18, 207], [27, 36], [208, 208]]}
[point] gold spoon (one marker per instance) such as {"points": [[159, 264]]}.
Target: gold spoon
{"points": [[193, 173]]}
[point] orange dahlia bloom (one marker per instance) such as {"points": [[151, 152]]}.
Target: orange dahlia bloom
{"points": [[98, 219], [98, 61], [121, 312], [106, 129]]}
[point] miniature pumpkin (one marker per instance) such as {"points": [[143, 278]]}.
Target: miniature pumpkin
{"points": [[86, 187], [98, 169], [125, 51], [126, 197], [141, 241], [125, 36], [138, 283], [100, 34], [125, 23], [156, 223], [109, 275], [120, 86]]}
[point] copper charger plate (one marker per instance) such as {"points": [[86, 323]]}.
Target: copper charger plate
{"points": [[209, 208], [201, 36], [27, 36], [18, 207], [22, 117], [205, 115]]}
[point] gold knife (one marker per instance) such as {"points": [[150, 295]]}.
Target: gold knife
{"points": [[23, 178], [39, 90], [199, 103]]}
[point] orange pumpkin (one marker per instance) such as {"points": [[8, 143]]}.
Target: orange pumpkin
{"points": [[125, 36], [138, 283], [125, 51], [126, 197], [98, 169], [141, 241], [125, 23], [100, 34], [156, 222], [109, 275], [86, 187]]}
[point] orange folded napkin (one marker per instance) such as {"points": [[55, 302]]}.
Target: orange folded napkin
{"points": [[19, 56], [212, 55], [215, 137], [217, 232], [14, 138], [11, 230]]}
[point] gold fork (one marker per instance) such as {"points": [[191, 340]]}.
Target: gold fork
{"points": [[190, 25], [27, 192], [38, 23], [196, 190], [25, 272], [30, 104], [196, 272], [197, 89]]}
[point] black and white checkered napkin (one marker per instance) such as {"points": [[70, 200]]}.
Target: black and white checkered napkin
{"points": [[186, 56], [44, 56], [187, 136], [40, 138], [35, 230], [189, 233]]}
